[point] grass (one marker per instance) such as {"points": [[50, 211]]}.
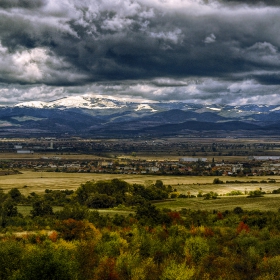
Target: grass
{"points": [[25, 210], [112, 212], [223, 189], [268, 202]]}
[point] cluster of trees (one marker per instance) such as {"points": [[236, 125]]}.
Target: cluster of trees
{"points": [[106, 194], [8, 204], [252, 182], [256, 193], [100, 194], [219, 181], [277, 191], [151, 244]]}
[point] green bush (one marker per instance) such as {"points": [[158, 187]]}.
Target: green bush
{"points": [[47, 263], [196, 247], [10, 258], [217, 181]]}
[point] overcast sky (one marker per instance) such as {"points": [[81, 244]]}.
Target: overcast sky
{"points": [[185, 50]]}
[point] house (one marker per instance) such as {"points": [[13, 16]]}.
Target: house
{"points": [[24, 152]]}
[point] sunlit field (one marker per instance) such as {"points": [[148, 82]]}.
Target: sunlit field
{"points": [[30, 181], [269, 202]]}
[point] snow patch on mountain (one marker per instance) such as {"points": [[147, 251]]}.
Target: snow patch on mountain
{"points": [[33, 104], [275, 109], [70, 102], [214, 109], [83, 101], [145, 107], [27, 118], [86, 102]]}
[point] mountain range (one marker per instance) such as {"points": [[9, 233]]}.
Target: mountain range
{"points": [[105, 116]]}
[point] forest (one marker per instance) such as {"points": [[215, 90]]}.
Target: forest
{"points": [[78, 242]]}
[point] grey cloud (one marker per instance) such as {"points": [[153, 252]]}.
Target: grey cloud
{"points": [[251, 2], [268, 79], [36, 66], [14, 93], [199, 90], [27, 4], [263, 54], [165, 46], [210, 39]]}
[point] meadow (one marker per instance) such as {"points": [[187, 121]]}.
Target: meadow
{"points": [[25, 210], [269, 202], [37, 182]]}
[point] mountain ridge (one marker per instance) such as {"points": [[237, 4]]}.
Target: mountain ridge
{"points": [[100, 116]]}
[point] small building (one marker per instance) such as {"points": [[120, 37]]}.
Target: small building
{"points": [[25, 152], [18, 147], [72, 165], [153, 169], [56, 158], [105, 163], [236, 167], [38, 147]]}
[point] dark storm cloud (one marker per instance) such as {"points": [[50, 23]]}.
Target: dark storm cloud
{"points": [[161, 44], [269, 79], [252, 2], [22, 3]]}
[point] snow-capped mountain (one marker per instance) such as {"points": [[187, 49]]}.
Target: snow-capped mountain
{"points": [[82, 101], [86, 103], [101, 115], [103, 102], [92, 102]]}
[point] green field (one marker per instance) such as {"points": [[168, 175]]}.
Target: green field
{"points": [[268, 202], [25, 210]]}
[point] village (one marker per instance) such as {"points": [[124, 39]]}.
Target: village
{"points": [[188, 157], [188, 166]]}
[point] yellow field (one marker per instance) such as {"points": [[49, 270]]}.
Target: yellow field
{"points": [[39, 181], [159, 157], [36, 156], [139, 156]]}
